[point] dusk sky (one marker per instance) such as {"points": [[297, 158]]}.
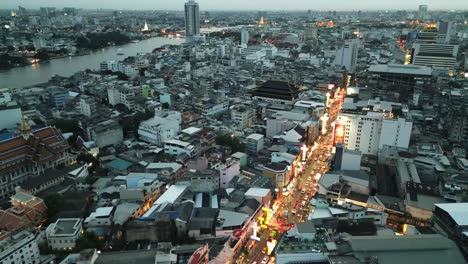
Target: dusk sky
{"points": [[242, 4]]}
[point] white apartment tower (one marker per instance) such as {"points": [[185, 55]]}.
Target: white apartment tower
{"points": [[244, 37], [347, 56], [369, 125]]}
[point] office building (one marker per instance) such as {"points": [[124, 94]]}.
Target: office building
{"points": [[192, 19], [445, 31], [346, 57], [19, 248], [407, 80], [63, 234], [367, 126], [434, 55]]}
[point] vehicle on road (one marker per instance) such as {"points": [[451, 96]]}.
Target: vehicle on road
{"points": [[265, 260], [296, 205]]}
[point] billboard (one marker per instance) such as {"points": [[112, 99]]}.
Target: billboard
{"points": [[339, 135]]}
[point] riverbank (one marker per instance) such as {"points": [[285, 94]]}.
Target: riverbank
{"points": [[19, 77]]}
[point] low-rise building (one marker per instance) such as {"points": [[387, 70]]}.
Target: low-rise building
{"points": [[107, 133], [163, 126], [10, 114], [19, 248], [103, 216], [63, 234], [176, 147], [254, 143], [88, 105], [451, 219]]}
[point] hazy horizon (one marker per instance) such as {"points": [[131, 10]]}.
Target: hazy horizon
{"points": [[274, 5]]}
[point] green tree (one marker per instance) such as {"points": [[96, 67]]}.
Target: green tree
{"points": [[54, 204], [122, 76], [42, 55], [231, 141], [88, 240], [67, 125]]}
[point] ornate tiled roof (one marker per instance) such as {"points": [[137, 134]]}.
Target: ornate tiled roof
{"points": [[36, 148]]}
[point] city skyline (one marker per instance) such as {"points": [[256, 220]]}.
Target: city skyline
{"points": [[273, 5]]}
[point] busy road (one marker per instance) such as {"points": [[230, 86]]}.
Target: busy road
{"points": [[295, 206]]}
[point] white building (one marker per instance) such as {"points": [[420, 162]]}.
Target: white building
{"points": [[242, 117], [227, 171], [262, 195], [63, 234], [176, 147], [254, 143], [163, 126], [122, 95], [10, 115], [87, 105], [347, 56], [369, 125], [19, 248], [101, 217]]}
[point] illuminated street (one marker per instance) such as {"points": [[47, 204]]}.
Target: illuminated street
{"points": [[295, 207]]}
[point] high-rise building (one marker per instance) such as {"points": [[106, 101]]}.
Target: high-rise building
{"points": [[445, 30], [367, 126], [192, 19], [422, 12], [244, 37], [347, 56]]}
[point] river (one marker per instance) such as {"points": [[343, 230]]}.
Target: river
{"points": [[40, 73]]}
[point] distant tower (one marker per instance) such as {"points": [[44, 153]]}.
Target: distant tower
{"points": [[422, 12], [145, 28], [192, 19], [244, 37], [262, 21]]}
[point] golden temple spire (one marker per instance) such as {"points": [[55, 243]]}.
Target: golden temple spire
{"points": [[26, 130]]}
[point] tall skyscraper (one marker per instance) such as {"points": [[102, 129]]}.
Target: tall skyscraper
{"points": [[192, 19], [422, 12]]}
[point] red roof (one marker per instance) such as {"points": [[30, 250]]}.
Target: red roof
{"points": [[43, 145]]}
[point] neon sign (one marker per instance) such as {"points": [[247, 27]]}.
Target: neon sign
{"points": [[255, 228], [265, 221], [339, 134]]}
